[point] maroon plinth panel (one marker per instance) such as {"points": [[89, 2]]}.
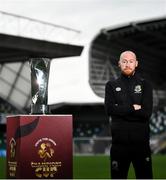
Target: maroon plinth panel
{"points": [[39, 146]]}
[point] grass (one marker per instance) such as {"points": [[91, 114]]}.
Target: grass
{"points": [[87, 167], [94, 167], [2, 168], [97, 167]]}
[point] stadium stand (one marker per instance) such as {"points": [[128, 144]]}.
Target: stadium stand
{"points": [[147, 39]]}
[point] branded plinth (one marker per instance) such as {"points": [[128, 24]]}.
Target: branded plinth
{"points": [[39, 146]]}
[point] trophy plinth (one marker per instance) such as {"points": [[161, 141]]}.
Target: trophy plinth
{"points": [[39, 85]]}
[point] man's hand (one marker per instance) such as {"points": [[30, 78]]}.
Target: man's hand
{"points": [[137, 106]]}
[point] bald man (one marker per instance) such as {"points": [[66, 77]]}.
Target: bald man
{"points": [[128, 101]]}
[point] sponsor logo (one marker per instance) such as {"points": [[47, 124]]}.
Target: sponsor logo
{"points": [[118, 89]]}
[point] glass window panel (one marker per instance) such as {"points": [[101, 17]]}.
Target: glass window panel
{"points": [[13, 66], [4, 88], [8, 75], [18, 98], [23, 85]]}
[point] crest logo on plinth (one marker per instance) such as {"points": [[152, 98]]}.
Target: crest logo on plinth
{"points": [[46, 151], [47, 166]]}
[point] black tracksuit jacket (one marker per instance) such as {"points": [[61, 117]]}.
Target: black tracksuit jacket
{"points": [[129, 126]]}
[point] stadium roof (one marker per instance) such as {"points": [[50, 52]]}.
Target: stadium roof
{"points": [[146, 38], [16, 48], [23, 37]]}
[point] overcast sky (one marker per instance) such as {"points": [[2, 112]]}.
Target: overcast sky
{"points": [[88, 16]]}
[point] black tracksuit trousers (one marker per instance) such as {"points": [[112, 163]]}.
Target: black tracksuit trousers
{"points": [[122, 156], [130, 144]]}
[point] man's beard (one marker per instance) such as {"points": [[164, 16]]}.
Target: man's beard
{"points": [[128, 72]]}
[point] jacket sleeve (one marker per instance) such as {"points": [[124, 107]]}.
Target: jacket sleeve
{"points": [[111, 106], [147, 102]]}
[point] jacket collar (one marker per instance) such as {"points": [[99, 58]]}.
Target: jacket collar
{"points": [[128, 77]]}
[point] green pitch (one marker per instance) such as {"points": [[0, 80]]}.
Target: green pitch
{"points": [[88, 167], [2, 168], [98, 167]]}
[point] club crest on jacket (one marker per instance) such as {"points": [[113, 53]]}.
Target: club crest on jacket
{"points": [[137, 89]]}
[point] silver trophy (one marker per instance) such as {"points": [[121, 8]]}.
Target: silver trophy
{"points": [[39, 85]]}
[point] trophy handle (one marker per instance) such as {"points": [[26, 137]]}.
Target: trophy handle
{"points": [[39, 85]]}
